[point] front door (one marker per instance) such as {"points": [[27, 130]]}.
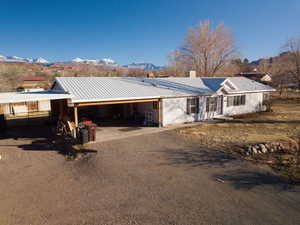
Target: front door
{"points": [[220, 105]]}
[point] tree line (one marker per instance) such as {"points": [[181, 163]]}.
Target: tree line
{"points": [[212, 52]]}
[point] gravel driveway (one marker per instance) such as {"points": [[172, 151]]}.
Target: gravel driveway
{"points": [[158, 178]]}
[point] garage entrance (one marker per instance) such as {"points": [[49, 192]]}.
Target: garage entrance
{"points": [[130, 114]]}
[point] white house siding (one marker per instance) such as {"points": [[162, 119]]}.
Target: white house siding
{"points": [[174, 110], [44, 105], [253, 104], [4, 109]]}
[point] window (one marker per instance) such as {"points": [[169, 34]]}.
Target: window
{"points": [[192, 105], [266, 97], [211, 104], [236, 100]]}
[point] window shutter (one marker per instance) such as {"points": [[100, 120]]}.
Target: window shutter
{"points": [[197, 105], [207, 104]]}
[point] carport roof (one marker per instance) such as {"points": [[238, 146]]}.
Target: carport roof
{"points": [[15, 97]]}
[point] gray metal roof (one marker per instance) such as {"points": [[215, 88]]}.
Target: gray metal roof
{"points": [[241, 84], [15, 97], [244, 84], [93, 89]]}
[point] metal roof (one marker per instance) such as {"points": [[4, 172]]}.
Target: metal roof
{"points": [[15, 97], [93, 89], [34, 78], [242, 84]]}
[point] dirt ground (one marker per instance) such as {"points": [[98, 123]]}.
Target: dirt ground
{"points": [[158, 179]]}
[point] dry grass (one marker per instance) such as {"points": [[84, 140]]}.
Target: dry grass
{"points": [[281, 125]]}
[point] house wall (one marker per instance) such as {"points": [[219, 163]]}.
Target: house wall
{"points": [[44, 105], [253, 104], [22, 108], [4, 109], [174, 110]]}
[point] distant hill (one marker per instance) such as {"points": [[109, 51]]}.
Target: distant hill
{"points": [[269, 59], [77, 62], [143, 66]]}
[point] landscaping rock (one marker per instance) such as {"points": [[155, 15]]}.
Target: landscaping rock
{"points": [[254, 150], [263, 148]]}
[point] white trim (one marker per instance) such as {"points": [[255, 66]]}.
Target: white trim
{"points": [[227, 80], [16, 97], [241, 92]]}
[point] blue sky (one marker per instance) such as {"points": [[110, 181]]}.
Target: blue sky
{"points": [[139, 30]]}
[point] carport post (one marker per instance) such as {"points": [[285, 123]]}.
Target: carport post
{"points": [[76, 120], [160, 113], [76, 116]]}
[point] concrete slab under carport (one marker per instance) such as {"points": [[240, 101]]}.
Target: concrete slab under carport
{"points": [[109, 133]]}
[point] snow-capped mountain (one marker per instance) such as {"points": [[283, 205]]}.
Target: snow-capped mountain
{"points": [[98, 62], [40, 60], [101, 62], [17, 59], [78, 60], [143, 66]]}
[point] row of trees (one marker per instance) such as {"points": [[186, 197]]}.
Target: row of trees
{"points": [[212, 52], [12, 74]]}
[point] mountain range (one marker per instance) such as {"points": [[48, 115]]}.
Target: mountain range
{"points": [[101, 62], [16, 59], [143, 66], [97, 62]]}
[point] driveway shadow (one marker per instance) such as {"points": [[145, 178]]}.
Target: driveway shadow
{"points": [[196, 156], [28, 132], [263, 121], [245, 177], [249, 179], [60, 145]]}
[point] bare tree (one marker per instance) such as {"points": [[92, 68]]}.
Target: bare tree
{"points": [[264, 66], [205, 50], [292, 59]]}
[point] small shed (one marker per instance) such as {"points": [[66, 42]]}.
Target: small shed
{"points": [[25, 105]]}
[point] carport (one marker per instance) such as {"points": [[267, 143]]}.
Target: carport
{"points": [[138, 112], [26, 99]]}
